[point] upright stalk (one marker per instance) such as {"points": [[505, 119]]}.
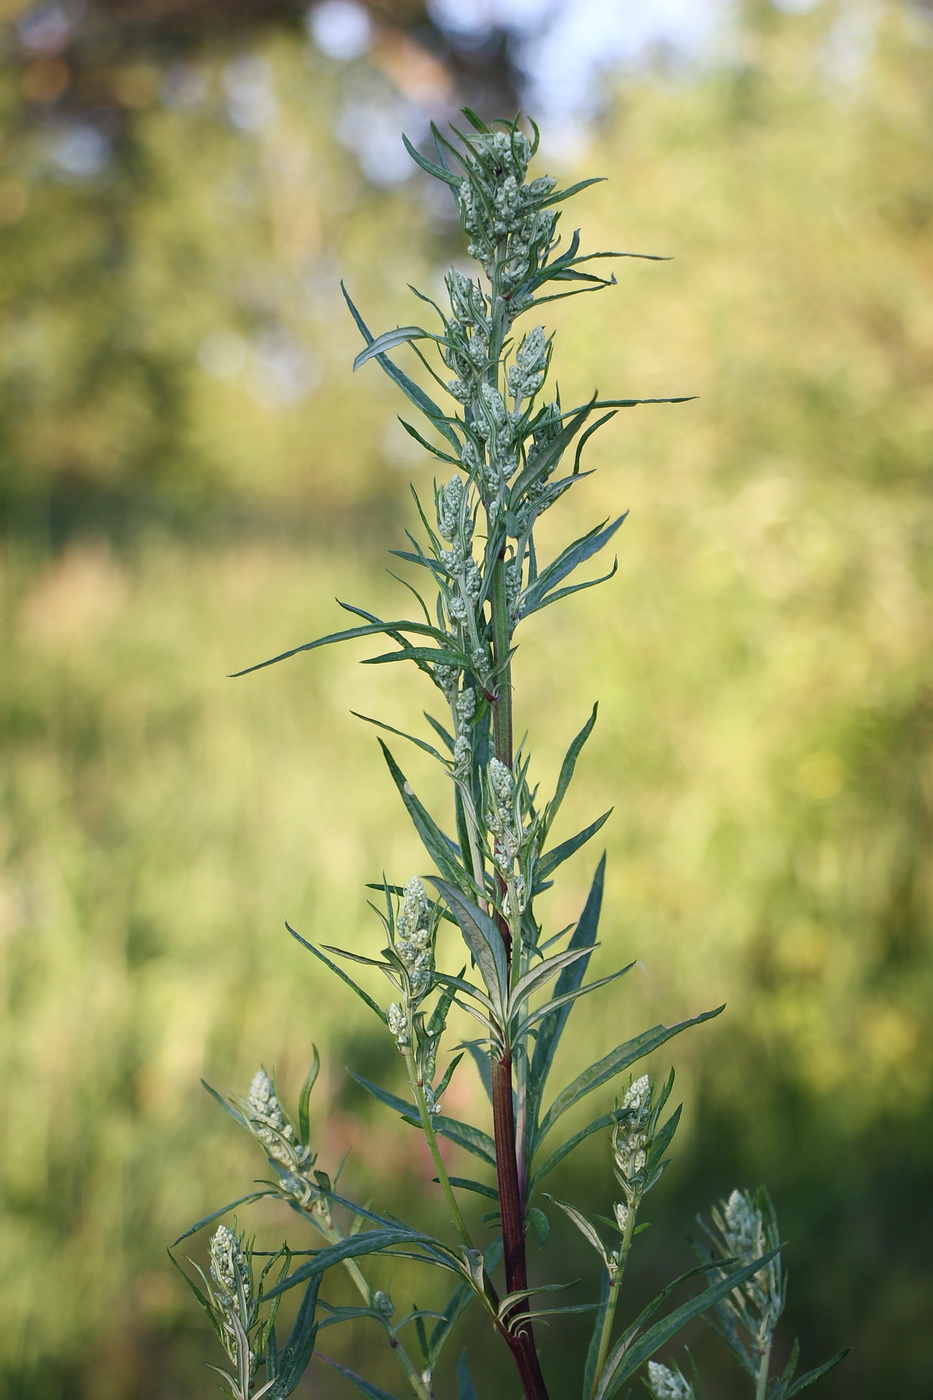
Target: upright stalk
{"points": [[509, 1177]]}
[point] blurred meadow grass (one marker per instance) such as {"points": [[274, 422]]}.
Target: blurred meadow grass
{"points": [[761, 663]]}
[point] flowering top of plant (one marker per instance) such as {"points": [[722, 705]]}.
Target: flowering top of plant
{"points": [[509, 452]]}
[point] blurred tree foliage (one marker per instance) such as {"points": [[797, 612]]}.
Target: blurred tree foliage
{"points": [[178, 424]]}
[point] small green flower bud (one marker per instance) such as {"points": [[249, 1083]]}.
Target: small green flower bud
{"points": [[398, 1023], [229, 1268], [383, 1303]]}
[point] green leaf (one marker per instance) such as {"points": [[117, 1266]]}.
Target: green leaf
{"points": [[216, 1214], [605, 1120], [457, 1304], [483, 939], [408, 1111], [474, 1140], [543, 462], [390, 339], [466, 1184], [375, 1392], [349, 634], [444, 852], [574, 588], [569, 998], [295, 1357], [427, 748], [587, 1230], [584, 936], [322, 957], [541, 1224], [439, 172], [444, 735], [435, 656], [542, 973], [803, 1381], [555, 857], [628, 1354], [615, 1062], [369, 1242], [566, 773], [304, 1123], [225, 1105], [593, 1349], [465, 1388], [565, 563], [411, 390], [429, 446]]}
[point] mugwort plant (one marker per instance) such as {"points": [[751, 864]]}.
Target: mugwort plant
{"points": [[508, 451]]}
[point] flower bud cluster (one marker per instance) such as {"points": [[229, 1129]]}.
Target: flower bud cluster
{"points": [[465, 708], [466, 348], [746, 1236], [454, 519], [526, 375], [413, 949], [631, 1142], [414, 940], [666, 1384], [268, 1124], [265, 1118], [501, 817], [229, 1265], [508, 229]]}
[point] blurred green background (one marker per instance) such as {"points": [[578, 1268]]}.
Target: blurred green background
{"points": [[189, 475]]}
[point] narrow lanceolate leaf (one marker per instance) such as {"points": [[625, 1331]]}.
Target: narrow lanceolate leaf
{"points": [[567, 771], [542, 972], [427, 748], [428, 446], [435, 656], [615, 1062], [457, 1303], [584, 936], [632, 1352], [593, 1349], [465, 1388], [555, 857], [216, 1214], [483, 939], [322, 957], [572, 588], [569, 998], [402, 335], [803, 1381], [421, 629], [440, 172], [605, 1120], [465, 1183], [375, 1392], [472, 1139], [587, 1230], [369, 1242], [295, 1356], [439, 847], [565, 563], [543, 462], [409, 388], [304, 1124]]}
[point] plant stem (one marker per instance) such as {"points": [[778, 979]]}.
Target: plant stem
{"points": [[615, 1282], [427, 1127], [511, 1203], [764, 1366], [329, 1230]]}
